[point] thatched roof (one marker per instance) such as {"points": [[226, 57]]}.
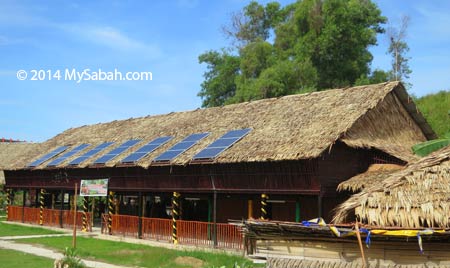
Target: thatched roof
{"points": [[417, 196], [374, 175], [11, 153], [287, 128]]}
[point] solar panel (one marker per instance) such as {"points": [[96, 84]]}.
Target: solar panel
{"points": [[48, 156], [90, 153], [115, 152], [180, 147], [221, 144], [62, 158], [146, 149]]}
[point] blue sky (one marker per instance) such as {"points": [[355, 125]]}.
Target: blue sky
{"points": [[163, 37]]}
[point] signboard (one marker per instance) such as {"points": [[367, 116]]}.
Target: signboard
{"points": [[94, 187]]}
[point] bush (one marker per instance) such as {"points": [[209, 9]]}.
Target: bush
{"points": [[70, 260]]}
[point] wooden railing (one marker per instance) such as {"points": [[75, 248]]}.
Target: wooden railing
{"points": [[125, 225], [14, 213], [195, 233], [31, 215], [51, 217], [229, 236], [189, 232], [222, 235], [157, 229], [68, 219]]}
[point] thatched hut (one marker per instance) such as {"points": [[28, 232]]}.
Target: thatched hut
{"points": [[404, 212], [416, 196], [297, 150]]}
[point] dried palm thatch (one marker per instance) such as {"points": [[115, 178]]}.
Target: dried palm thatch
{"points": [[287, 128], [374, 175], [321, 263], [11, 153], [417, 196]]}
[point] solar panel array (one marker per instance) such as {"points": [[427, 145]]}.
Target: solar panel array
{"points": [[180, 147], [62, 158], [90, 153], [48, 156], [115, 152], [221, 144], [210, 152], [146, 149]]}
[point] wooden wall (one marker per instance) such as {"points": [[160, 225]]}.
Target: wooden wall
{"points": [[304, 180]]}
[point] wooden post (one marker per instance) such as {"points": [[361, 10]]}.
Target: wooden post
{"points": [[74, 240], [41, 211], [215, 219], [61, 209], [175, 215], [24, 196], [93, 211], [250, 209], [110, 211], [264, 198], [209, 218], [319, 205], [297, 210], [140, 207], [358, 235], [8, 202], [85, 212], [36, 198]]}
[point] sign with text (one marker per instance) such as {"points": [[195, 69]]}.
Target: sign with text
{"points": [[94, 187]]}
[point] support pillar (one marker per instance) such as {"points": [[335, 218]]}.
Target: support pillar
{"points": [[250, 209], [264, 198], [140, 208], [215, 219], [53, 200], [110, 211], [85, 213], [210, 205], [36, 198], [297, 210], [42, 203], [24, 200], [175, 216], [8, 203], [319, 205], [61, 210]]}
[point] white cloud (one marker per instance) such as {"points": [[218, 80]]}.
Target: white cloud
{"points": [[111, 37]]}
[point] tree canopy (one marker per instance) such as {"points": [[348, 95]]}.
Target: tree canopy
{"points": [[305, 46]]}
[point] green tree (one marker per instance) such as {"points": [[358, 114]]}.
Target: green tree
{"points": [[219, 84], [317, 44]]}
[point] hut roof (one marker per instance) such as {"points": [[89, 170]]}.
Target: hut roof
{"points": [[376, 173], [11, 153], [416, 196], [287, 128]]}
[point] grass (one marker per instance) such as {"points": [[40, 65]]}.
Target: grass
{"points": [[436, 108], [128, 254], [16, 259], [18, 230]]}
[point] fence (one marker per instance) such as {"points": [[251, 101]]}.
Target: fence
{"points": [[51, 217], [189, 232]]}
